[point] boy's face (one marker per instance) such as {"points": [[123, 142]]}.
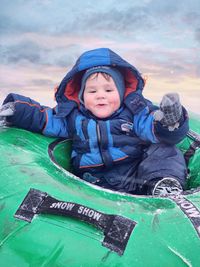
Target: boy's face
{"points": [[101, 96]]}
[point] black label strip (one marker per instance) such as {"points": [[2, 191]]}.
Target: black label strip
{"points": [[117, 229], [191, 211]]}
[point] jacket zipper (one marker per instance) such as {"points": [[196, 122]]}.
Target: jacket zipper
{"points": [[99, 139]]}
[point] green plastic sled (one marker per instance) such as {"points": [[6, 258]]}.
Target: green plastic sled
{"points": [[49, 217]]}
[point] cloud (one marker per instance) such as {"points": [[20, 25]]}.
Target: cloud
{"points": [[197, 34], [38, 83], [111, 19], [119, 22], [58, 17], [23, 51], [163, 32], [30, 52]]}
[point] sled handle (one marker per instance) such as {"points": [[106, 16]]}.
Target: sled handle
{"points": [[117, 229]]}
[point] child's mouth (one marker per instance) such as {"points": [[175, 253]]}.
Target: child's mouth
{"points": [[101, 105]]}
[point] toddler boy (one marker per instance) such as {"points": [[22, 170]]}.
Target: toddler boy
{"points": [[120, 140]]}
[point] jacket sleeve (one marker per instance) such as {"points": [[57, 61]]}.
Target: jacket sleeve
{"points": [[32, 116], [150, 130], [144, 125]]}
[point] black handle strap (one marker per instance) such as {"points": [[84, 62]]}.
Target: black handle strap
{"points": [[117, 229], [194, 145]]}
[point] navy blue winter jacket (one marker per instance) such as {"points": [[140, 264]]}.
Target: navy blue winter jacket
{"points": [[109, 149]]}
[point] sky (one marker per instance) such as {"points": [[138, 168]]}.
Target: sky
{"points": [[41, 40]]}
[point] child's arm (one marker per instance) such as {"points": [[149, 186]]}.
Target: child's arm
{"points": [[30, 115], [169, 124]]}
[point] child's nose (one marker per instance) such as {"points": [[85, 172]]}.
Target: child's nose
{"points": [[100, 94]]}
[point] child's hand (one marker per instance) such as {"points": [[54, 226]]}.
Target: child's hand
{"points": [[6, 110], [170, 111]]}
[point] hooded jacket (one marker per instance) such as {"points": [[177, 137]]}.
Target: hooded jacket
{"points": [[107, 150]]}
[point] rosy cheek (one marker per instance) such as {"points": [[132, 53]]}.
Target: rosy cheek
{"points": [[88, 103]]}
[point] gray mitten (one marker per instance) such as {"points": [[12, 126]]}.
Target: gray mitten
{"points": [[170, 111], [6, 110]]}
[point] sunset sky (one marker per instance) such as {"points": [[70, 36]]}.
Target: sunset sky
{"points": [[41, 40]]}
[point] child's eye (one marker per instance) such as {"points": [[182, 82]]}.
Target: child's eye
{"points": [[109, 90]]}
